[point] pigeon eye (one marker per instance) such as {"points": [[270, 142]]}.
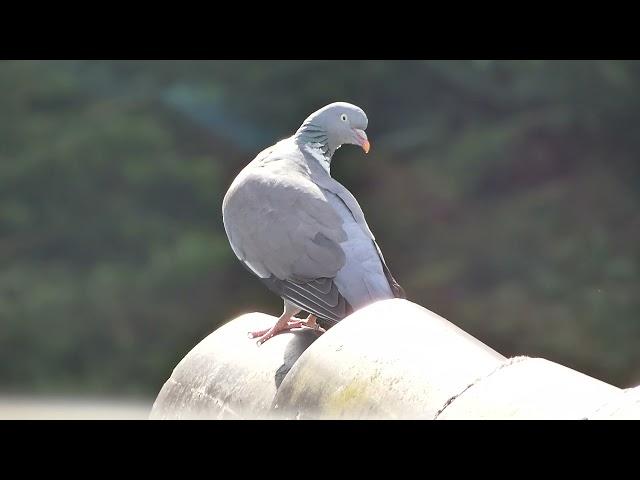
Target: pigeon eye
{"points": [[343, 117]]}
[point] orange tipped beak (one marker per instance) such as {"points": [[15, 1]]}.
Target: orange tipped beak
{"points": [[362, 139]]}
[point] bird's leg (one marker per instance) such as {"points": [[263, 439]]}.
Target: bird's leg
{"points": [[283, 324]]}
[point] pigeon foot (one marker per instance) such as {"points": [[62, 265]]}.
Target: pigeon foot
{"points": [[284, 326]]}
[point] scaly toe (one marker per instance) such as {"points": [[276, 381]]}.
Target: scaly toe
{"points": [[258, 333]]}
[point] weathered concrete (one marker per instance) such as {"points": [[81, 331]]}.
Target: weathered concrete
{"points": [[530, 388], [228, 376], [392, 359], [623, 406]]}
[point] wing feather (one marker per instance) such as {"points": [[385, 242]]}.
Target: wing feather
{"points": [[283, 229]]}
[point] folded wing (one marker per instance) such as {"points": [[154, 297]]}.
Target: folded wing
{"points": [[285, 231]]}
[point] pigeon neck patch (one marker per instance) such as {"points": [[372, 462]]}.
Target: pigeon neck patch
{"points": [[316, 151]]}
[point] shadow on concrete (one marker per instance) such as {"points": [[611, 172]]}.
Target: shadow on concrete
{"points": [[301, 340]]}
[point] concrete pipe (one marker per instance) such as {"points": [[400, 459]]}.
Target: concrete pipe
{"points": [[392, 359], [530, 388], [227, 376], [623, 406]]}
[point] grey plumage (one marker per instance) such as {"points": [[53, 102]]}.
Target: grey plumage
{"points": [[299, 230]]}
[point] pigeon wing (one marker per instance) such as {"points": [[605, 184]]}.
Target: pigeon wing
{"points": [[284, 230]]}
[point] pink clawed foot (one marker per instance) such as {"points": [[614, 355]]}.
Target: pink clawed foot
{"points": [[273, 331], [280, 327]]}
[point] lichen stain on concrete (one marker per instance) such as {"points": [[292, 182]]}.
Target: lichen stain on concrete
{"points": [[346, 398]]}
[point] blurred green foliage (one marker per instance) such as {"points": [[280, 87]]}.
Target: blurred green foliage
{"points": [[504, 195]]}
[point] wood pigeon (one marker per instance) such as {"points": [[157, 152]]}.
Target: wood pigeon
{"points": [[302, 232]]}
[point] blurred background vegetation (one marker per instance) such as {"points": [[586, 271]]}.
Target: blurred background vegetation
{"points": [[504, 195]]}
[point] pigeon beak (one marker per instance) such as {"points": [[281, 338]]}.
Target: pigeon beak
{"points": [[362, 139]]}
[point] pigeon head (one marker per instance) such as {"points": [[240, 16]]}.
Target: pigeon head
{"points": [[335, 125]]}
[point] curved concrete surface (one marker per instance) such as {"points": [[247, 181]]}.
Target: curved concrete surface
{"points": [[228, 376], [392, 359], [530, 388], [623, 406]]}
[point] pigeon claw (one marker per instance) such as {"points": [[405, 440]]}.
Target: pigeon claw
{"points": [[273, 331]]}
